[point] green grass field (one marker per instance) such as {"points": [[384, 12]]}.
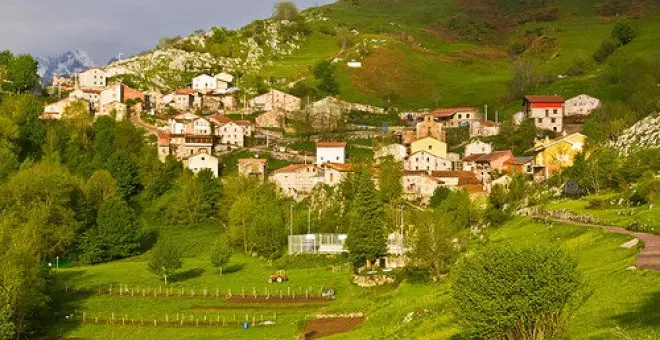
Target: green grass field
{"points": [[622, 304]]}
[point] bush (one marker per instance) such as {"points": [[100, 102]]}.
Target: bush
{"points": [[516, 47], [623, 32], [607, 47], [508, 293], [578, 67]]}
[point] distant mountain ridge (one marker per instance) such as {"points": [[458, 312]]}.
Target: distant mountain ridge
{"points": [[68, 63]]}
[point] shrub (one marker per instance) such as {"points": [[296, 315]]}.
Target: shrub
{"points": [[607, 47], [516, 47], [578, 67], [623, 32], [502, 292]]}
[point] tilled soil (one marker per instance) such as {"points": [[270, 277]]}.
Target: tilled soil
{"points": [[323, 327]]}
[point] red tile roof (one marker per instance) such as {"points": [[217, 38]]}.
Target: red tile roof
{"points": [[220, 119], [479, 157], [450, 111], [464, 177], [293, 168], [185, 91], [339, 167], [544, 99], [331, 144]]}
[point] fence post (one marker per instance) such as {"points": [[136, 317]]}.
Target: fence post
{"points": [[84, 316], [254, 292], [110, 290], [217, 292], [167, 319], [205, 291], [254, 321]]}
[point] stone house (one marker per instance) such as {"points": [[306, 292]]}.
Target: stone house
{"points": [[477, 147], [484, 164], [397, 151], [275, 100], [123, 94], [484, 128], [429, 127], [334, 173], [186, 99], [297, 180], [460, 180], [455, 117], [581, 105], [90, 95], [253, 167], [419, 184], [519, 165], [546, 111], [271, 119]]}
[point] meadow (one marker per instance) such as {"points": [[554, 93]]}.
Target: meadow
{"points": [[620, 302]]}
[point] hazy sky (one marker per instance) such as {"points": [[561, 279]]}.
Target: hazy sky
{"points": [[104, 28]]}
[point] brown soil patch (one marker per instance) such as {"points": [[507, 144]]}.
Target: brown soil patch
{"points": [[323, 327], [268, 308], [276, 299]]}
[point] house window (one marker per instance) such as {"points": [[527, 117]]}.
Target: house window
{"points": [[554, 128], [430, 147], [554, 111], [539, 120], [547, 112], [460, 116], [554, 120], [467, 116]]}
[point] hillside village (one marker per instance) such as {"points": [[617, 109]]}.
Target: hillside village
{"points": [[199, 125]]}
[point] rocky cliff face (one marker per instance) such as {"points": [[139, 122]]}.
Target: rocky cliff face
{"points": [[66, 64], [645, 134]]}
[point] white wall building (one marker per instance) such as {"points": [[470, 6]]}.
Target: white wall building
{"points": [[204, 83], [397, 151], [202, 161], [426, 161], [297, 180], [581, 105], [477, 147], [275, 99], [92, 78], [330, 152]]}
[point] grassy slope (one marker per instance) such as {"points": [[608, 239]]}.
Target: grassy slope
{"points": [[622, 304], [423, 68]]}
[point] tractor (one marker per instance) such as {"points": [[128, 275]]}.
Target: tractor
{"points": [[279, 276]]}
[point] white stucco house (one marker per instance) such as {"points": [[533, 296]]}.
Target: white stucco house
{"points": [[477, 147], [297, 180], [204, 83], [92, 78], [330, 152], [426, 161], [397, 151], [202, 161], [275, 99]]}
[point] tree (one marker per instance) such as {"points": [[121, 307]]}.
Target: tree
{"points": [[623, 32], [366, 238], [608, 122], [100, 187], [389, 176], [125, 171], [502, 292], [436, 244], [104, 130], [607, 47], [115, 236], [326, 82], [524, 78], [439, 195], [21, 74], [285, 10], [197, 199], [269, 234], [166, 258], [220, 254], [8, 163]]}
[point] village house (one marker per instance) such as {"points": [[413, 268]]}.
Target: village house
{"points": [[396, 151], [477, 147], [426, 161], [456, 116], [116, 110], [90, 95], [546, 111], [484, 128], [185, 99], [55, 110], [581, 105], [218, 102], [271, 119], [93, 78], [204, 83], [330, 152], [253, 167], [223, 81], [431, 145], [163, 146], [429, 127], [190, 135], [519, 165], [460, 180], [419, 184], [121, 93], [483, 165], [334, 173], [231, 132], [62, 83], [297, 180], [551, 156], [202, 161], [275, 100]]}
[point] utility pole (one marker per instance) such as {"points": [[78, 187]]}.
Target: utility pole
{"points": [[291, 219], [486, 110], [309, 219], [497, 117]]}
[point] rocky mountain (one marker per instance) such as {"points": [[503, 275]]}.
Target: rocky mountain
{"points": [[68, 63]]}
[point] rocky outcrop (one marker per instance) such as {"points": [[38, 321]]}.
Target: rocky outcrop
{"points": [[372, 281], [645, 134]]}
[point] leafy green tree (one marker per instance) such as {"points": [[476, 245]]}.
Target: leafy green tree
{"points": [[220, 254], [366, 237], [501, 292], [125, 171], [128, 139], [116, 235], [459, 208], [439, 195], [100, 187], [608, 122], [269, 233], [166, 258], [285, 10], [623, 32], [523, 79], [21, 74], [104, 129], [324, 72], [8, 163], [437, 244], [607, 47], [240, 221], [389, 178], [197, 199]]}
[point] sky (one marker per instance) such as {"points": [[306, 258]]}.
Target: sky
{"points": [[105, 28]]}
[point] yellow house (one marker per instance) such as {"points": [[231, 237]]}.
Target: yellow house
{"points": [[430, 145], [553, 155]]}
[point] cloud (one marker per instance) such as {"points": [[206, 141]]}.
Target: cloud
{"points": [[105, 28]]}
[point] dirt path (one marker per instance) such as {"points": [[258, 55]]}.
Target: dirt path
{"points": [[137, 120], [323, 327], [648, 258]]}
